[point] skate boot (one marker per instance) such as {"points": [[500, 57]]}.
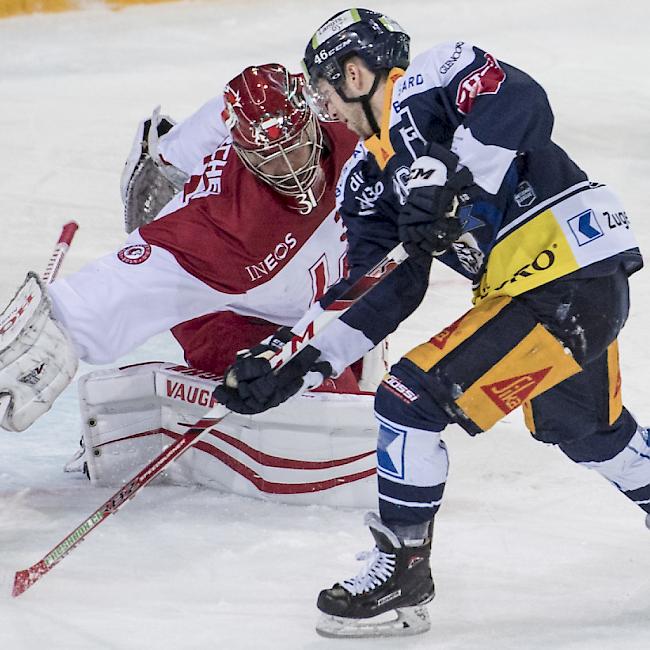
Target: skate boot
{"points": [[387, 598]]}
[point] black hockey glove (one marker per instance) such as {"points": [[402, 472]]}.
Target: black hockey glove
{"points": [[250, 385], [427, 223]]}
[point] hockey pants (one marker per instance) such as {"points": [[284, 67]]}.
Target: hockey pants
{"points": [[553, 351]]}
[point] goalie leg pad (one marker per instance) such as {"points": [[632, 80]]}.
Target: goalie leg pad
{"points": [[37, 359], [319, 449]]}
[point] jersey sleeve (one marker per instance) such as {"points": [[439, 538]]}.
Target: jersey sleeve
{"points": [[371, 233], [199, 135], [117, 302], [487, 111]]}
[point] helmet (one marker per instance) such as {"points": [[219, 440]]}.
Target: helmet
{"points": [[273, 131], [380, 42]]}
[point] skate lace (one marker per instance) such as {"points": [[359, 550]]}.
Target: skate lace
{"points": [[379, 568]]}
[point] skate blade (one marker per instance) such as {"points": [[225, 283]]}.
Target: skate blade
{"points": [[404, 621]]}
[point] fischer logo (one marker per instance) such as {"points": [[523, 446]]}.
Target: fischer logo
{"points": [[11, 320], [136, 254], [190, 394], [485, 81], [271, 261], [511, 393]]}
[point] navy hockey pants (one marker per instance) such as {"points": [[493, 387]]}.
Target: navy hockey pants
{"points": [[553, 351]]}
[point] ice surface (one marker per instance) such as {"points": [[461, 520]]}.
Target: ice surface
{"points": [[530, 552]]}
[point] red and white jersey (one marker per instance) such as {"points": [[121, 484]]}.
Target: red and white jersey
{"points": [[196, 136], [227, 243]]}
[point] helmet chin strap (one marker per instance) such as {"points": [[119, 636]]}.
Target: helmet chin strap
{"points": [[365, 103]]}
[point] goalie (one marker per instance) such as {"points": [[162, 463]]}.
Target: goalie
{"points": [[251, 241]]}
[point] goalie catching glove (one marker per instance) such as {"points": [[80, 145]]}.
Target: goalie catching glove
{"points": [[428, 224], [148, 182], [37, 360], [252, 386]]}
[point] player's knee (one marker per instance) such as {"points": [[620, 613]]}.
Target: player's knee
{"points": [[403, 397]]}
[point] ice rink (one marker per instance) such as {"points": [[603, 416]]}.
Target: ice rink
{"points": [[530, 552]]}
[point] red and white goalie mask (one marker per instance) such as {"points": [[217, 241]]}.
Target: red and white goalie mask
{"points": [[274, 132]]}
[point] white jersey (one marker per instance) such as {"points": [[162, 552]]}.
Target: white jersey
{"points": [[196, 137]]}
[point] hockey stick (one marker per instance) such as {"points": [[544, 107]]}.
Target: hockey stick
{"points": [[51, 270], [26, 578]]}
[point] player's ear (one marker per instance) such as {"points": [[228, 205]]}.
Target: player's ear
{"points": [[353, 74]]}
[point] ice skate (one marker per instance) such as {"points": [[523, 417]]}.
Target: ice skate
{"points": [[388, 597]]}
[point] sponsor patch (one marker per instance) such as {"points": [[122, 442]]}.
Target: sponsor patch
{"points": [[513, 392], [390, 450], [449, 63], [136, 254], [485, 81], [585, 227], [400, 390], [525, 195], [334, 26], [441, 338]]}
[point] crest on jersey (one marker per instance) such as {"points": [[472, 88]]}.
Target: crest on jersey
{"points": [[485, 81], [136, 254]]}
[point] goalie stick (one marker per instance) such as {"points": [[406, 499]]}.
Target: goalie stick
{"points": [[51, 271], [24, 579]]}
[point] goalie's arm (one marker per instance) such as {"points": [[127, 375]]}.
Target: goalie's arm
{"points": [[116, 303]]}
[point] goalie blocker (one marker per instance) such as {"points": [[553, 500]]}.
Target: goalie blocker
{"points": [[318, 448], [37, 360]]}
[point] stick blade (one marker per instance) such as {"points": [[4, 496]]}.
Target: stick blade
{"points": [[24, 579]]}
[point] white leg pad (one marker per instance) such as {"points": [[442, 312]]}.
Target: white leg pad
{"points": [[318, 448]]}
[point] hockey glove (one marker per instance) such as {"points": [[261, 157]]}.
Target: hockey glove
{"points": [[251, 386], [427, 222]]}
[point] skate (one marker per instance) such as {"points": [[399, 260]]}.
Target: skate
{"points": [[388, 597]]}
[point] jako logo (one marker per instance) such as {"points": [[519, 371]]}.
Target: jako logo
{"points": [[270, 262]]}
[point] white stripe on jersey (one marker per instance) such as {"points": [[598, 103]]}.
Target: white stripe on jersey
{"points": [[487, 162]]}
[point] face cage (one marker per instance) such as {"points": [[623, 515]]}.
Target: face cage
{"points": [[317, 101], [296, 181]]}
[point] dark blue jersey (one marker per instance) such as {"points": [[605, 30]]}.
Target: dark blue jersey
{"points": [[532, 214]]}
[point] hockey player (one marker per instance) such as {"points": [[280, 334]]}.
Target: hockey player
{"points": [[457, 162], [254, 238]]}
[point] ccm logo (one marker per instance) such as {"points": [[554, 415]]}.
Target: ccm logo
{"points": [[190, 394], [271, 261]]}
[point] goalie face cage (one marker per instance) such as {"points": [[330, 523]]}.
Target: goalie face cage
{"points": [[274, 133]]}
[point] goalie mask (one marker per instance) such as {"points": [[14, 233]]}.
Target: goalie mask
{"points": [[274, 133]]}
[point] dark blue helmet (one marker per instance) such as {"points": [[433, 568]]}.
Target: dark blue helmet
{"points": [[377, 39]]}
